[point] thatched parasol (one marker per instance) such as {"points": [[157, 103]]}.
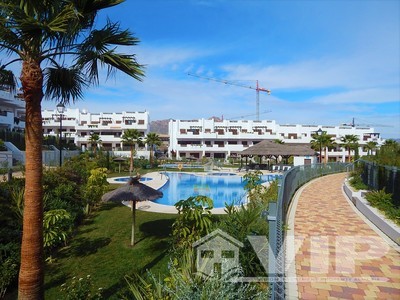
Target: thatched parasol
{"points": [[133, 191], [119, 160]]}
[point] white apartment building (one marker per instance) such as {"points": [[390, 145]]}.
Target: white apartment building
{"points": [[12, 119], [227, 138], [78, 125], [12, 111]]}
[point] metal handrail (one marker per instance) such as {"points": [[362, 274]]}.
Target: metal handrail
{"points": [[289, 183]]}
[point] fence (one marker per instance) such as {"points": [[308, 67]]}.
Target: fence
{"points": [[378, 177], [290, 182]]}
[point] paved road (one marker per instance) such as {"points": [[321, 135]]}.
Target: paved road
{"points": [[340, 256]]}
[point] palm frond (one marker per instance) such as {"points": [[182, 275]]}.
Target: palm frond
{"points": [[64, 84], [99, 47], [8, 81]]}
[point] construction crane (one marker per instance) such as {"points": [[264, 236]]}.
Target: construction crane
{"points": [[353, 124], [257, 89], [249, 115]]}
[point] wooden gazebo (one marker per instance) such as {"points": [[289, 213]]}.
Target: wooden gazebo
{"points": [[271, 149]]}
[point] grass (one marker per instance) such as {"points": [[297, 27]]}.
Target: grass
{"points": [[101, 248]]}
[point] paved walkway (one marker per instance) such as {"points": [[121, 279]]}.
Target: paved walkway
{"points": [[339, 255]]}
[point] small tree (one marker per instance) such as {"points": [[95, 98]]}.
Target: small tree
{"points": [[96, 186], [152, 139], [193, 222], [322, 142], [131, 138], [94, 141], [350, 142], [371, 146]]}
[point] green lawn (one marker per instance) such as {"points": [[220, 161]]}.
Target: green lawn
{"points": [[101, 248]]}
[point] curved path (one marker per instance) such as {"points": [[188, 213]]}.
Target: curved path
{"points": [[337, 254]]}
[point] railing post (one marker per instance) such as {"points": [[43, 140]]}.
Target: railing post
{"points": [[272, 252]]}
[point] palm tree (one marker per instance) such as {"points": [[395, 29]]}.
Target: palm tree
{"points": [[152, 139], [61, 52], [350, 142], [371, 146], [131, 137], [322, 142], [390, 143], [94, 140]]}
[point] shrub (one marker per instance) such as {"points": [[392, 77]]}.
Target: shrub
{"points": [[56, 227], [193, 222], [357, 183], [9, 265], [241, 222], [81, 288], [383, 201], [96, 186], [184, 284]]}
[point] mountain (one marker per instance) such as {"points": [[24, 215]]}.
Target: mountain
{"points": [[159, 126]]}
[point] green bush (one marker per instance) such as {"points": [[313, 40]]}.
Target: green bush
{"points": [[193, 222], [182, 283], [81, 288], [239, 223], [383, 201], [10, 236], [357, 183]]}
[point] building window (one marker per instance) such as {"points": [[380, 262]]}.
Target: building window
{"points": [[140, 122]]}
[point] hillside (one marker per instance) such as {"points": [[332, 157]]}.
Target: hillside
{"points": [[159, 126]]}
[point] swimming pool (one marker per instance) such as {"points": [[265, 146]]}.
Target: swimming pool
{"points": [[126, 179], [221, 188], [184, 166]]}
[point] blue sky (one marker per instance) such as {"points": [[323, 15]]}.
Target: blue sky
{"points": [[324, 61]]}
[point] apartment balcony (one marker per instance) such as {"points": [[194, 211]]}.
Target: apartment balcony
{"points": [[103, 138], [214, 147], [109, 126]]}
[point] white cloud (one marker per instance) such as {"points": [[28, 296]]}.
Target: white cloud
{"points": [[161, 56], [366, 96], [351, 72]]}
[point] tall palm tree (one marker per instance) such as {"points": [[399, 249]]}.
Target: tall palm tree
{"points": [[152, 139], [322, 142], [350, 142], [94, 140], [61, 52], [371, 146], [131, 137]]}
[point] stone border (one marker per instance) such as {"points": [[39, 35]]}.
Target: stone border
{"points": [[385, 225]]}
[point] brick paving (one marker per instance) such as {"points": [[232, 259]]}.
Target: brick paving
{"points": [[340, 256]]}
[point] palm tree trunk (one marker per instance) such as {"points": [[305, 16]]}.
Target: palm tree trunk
{"points": [[326, 155], [133, 223], [31, 270], [151, 156], [131, 163]]}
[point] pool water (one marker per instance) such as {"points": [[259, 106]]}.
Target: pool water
{"points": [[220, 188], [126, 179]]}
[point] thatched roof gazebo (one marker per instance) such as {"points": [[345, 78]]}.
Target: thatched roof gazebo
{"points": [[272, 149]]}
